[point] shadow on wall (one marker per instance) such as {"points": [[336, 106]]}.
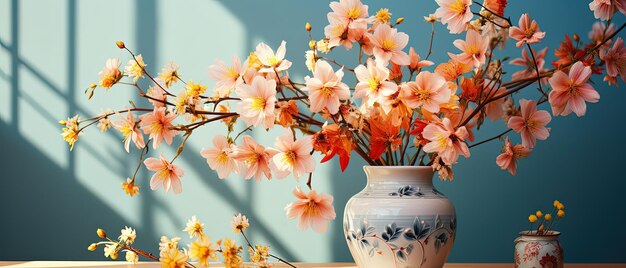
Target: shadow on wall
{"points": [[67, 205], [64, 209]]}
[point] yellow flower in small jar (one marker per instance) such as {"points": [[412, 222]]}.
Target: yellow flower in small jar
{"points": [[560, 213], [532, 218], [548, 217], [539, 214]]}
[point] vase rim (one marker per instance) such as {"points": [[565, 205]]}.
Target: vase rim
{"points": [[396, 167], [534, 233]]}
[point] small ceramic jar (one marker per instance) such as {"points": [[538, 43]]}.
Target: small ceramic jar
{"points": [[534, 251]]}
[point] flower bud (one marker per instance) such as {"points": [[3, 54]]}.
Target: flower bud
{"points": [[532, 218], [561, 213], [92, 86], [312, 44], [62, 122], [576, 38], [101, 233], [308, 27], [399, 20], [539, 213], [120, 44], [92, 247], [114, 255], [430, 18], [548, 217]]}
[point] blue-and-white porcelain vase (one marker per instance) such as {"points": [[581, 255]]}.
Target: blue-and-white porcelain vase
{"points": [[399, 220]]}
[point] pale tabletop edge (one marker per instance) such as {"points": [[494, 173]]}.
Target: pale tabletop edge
{"points": [[104, 264]]}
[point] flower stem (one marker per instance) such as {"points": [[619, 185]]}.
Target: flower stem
{"points": [[532, 54], [271, 255]]}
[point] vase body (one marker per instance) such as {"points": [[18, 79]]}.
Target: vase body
{"points": [[533, 251], [399, 220]]}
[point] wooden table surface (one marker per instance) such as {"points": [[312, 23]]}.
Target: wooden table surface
{"points": [[118, 264]]}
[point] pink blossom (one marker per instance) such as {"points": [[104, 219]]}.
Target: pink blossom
{"points": [[599, 32], [531, 123], [348, 10], [527, 32], [527, 61], [373, 86], [495, 109], [293, 156], [510, 153], [416, 62], [156, 93], [159, 125], [473, 48], [313, 210], [167, 174], [129, 130], [428, 91], [220, 157], [227, 78], [388, 44], [255, 157], [615, 59], [341, 34], [604, 9], [257, 102], [272, 62], [325, 88], [569, 93], [348, 23], [446, 141], [111, 73], [458, 116], [455, 13]]}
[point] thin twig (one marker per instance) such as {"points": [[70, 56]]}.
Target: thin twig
{"points": [[489, 20], [146, 72], [492, 138], [337, 63], [430, 46], [143, 152], [532, 55], [494, 13]]}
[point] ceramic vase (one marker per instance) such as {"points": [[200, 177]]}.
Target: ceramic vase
{"points": [[399, 220], [538, 251]]}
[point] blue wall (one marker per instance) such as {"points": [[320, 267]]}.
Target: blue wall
{"points": [[51, 50]]}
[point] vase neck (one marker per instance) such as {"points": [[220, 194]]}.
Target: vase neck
{"points": [[409, 175]]}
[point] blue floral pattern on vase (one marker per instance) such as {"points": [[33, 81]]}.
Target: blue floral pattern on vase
{"points": [[402, 241]]}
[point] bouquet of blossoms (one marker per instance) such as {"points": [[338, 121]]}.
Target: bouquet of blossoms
{"points": [[402, 110]]}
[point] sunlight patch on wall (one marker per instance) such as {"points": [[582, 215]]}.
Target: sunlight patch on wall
{"points": [[5, 62], [194, 39], [5, 86], [5, 21]]}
